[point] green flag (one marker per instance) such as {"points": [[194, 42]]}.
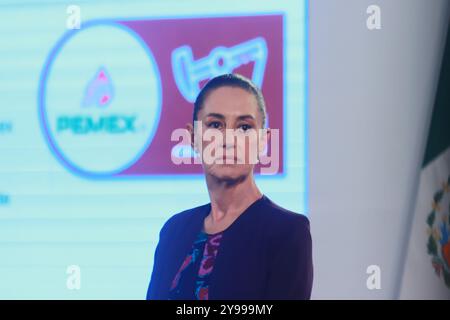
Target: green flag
{"points": [[427, 265]]}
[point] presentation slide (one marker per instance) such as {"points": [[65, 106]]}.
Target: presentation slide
{"points": [[90, 95]]}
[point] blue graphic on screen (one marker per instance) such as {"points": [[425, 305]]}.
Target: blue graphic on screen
{"points": [[81, 105], [121, 131]]}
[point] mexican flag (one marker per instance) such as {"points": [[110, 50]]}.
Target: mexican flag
{"points": [[426, 273]]}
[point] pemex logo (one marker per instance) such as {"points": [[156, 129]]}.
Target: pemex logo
{"points": [[438, 222], [99, 90], [100, 99]]}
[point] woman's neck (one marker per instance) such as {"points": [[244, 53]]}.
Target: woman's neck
{"points": [[228, 201]]}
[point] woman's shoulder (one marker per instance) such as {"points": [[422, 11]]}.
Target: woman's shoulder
{"points": [[280, 215], [183, 218], [281, 221]]}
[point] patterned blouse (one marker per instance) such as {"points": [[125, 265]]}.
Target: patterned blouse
{"points": [[191, 282]]}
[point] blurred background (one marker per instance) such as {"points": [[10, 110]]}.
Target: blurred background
{"points": [[90, 92]]}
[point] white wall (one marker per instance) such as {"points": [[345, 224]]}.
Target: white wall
{"points": [[370, 98]]}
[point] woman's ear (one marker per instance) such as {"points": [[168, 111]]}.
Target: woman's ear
{"points": [[190, 128], [194, 141], [263, 142]]}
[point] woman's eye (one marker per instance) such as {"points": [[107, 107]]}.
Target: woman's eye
{"points": [[245, 127], [214, 124]]}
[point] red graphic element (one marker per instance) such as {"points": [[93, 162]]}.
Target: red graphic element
{"points": [[203, 35], [203, 293], [185, 264], [446, 253]]}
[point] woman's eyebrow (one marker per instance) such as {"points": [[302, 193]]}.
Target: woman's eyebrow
{"points": [[217, 115], [246, 116], [221, 116]]}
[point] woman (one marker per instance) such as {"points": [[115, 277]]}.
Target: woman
{"points": [[241, 245]]}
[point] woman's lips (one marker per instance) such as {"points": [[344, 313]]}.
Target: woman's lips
{"points": [[231, 160]]}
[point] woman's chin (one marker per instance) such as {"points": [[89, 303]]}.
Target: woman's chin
{"points": [[229, 171]]}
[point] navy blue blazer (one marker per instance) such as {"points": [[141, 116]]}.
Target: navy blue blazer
{"points": [[266, 253]]}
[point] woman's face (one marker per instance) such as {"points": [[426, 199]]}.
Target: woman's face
{"points": [[231, 126]]}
